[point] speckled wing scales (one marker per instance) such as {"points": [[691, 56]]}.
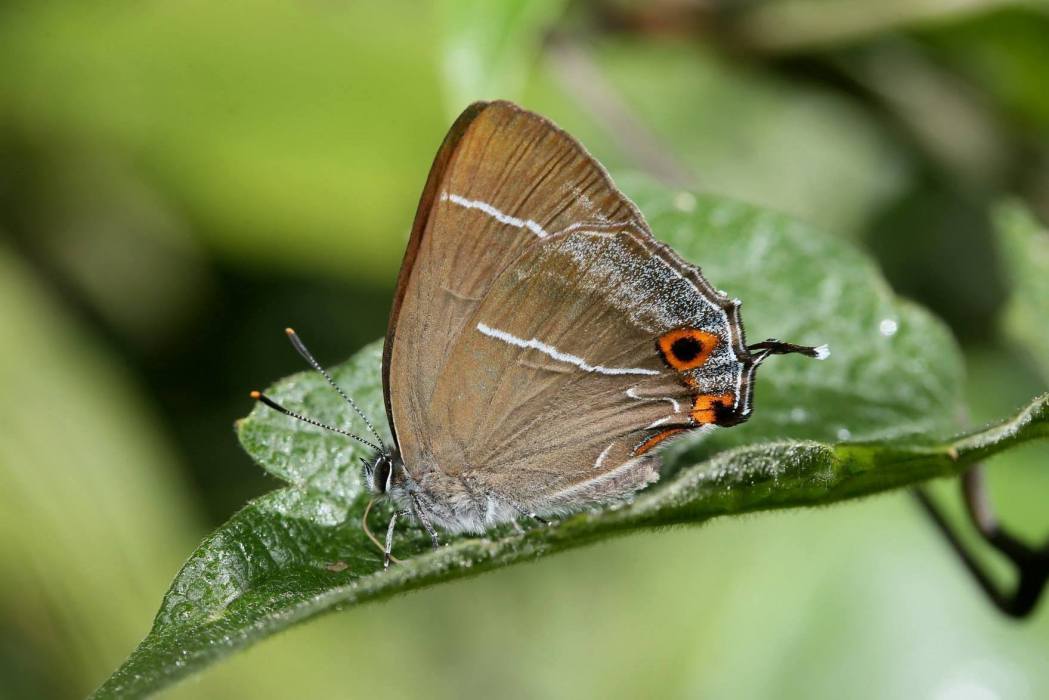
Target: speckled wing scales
{"points": [[556, 389]]}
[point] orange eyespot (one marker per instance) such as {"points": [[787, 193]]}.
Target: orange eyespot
{"points": [[686, 348], [705, 407], [656, 439]]}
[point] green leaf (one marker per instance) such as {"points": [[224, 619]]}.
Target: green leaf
{"points": [[1024, 244], [300, 551]]}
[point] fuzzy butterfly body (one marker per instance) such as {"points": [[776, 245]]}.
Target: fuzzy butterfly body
{"points": [[542, 343]]}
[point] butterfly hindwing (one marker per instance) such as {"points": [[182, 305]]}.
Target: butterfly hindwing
{"points": [[557, 388]]}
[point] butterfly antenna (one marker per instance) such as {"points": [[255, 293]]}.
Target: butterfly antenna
{"points": [[259, 396], [300, 347]]}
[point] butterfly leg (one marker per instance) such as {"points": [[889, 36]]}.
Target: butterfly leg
{"points": [[425, 520], [388, 550], [1032, 564]]}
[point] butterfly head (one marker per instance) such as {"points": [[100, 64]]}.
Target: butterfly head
{"points": [[382, 473]]}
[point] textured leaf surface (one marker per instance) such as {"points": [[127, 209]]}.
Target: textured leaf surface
{"points": [[861, 422]]}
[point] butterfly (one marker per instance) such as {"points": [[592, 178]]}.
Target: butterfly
{"points": [[542, 343]]}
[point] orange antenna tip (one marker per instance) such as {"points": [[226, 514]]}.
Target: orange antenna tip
{"points": [[256, 395], [289, 331]]}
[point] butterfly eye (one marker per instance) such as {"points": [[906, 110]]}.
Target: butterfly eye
{"points": [[686, 348], [378, 475]]}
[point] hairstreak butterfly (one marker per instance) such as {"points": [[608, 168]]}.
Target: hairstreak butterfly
{"points": [[542, 343]]}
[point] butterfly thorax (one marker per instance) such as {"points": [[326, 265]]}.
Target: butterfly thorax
{"points": [[431, 496]]}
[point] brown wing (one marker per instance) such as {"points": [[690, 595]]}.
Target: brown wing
{"points": [[503, 181], [591, 348]]}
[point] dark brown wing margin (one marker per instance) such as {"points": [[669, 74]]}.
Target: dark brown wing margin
{"points": [[422, 216]]}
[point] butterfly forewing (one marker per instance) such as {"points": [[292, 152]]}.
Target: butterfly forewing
{"points": [[504, 180]]}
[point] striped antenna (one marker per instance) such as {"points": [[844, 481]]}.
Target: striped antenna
{"points": [[259, 396], [300, 347]]}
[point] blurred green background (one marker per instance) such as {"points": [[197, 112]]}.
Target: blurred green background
{"points": [[179, 181]]}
